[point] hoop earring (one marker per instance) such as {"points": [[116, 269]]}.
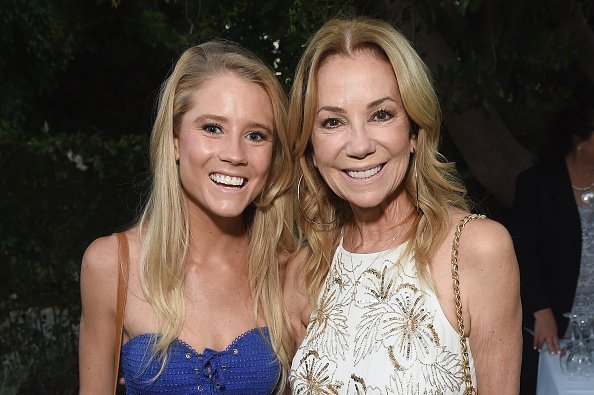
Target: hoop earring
{"points": [[301, 209], [417, 183]]}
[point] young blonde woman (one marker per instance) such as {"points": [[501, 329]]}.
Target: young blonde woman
{"points": [[204, 311], [377, 295]]}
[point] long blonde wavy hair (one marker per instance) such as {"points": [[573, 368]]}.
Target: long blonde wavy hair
{"points": [[164, 222], [321, 213]]}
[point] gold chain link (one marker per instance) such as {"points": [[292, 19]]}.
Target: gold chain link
{"points": [[470, 390]]}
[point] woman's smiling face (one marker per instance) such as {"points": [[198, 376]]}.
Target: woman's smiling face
{"points": [[361, 136], [224, 145]]}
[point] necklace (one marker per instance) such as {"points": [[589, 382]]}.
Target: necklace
{"points": [[384, 251], [378, 255], [587, 194]]}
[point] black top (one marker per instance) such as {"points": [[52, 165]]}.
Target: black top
{"points": [[546, 231]]}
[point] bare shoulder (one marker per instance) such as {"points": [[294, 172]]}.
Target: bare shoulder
{"points": [[98, 283], [485, 252], [483, 238], [101, 256], [99, 269]]}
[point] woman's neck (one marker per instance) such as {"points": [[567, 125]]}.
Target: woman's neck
{"points": [[581, 168], [217, 239], [379, 228]]}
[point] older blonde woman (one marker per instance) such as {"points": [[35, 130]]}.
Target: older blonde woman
{"points": [[388, 296]]}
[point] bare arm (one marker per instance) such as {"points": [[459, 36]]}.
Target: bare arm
{"points": [[98, 284], [295, 295], [490, 279]]}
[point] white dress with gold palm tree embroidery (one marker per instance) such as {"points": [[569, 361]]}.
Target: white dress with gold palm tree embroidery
{"points": [[377, 330]]}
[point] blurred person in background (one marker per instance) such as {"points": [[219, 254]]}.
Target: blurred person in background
{"points": [[553, 231]]}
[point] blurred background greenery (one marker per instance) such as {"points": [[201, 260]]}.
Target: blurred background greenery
{"points": [[79, 81]]}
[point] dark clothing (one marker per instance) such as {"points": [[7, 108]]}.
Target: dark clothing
{"points": [[547, 238]]}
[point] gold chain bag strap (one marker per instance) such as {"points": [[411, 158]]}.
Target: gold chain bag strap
{"points": [[465, 362], [124, 263]]}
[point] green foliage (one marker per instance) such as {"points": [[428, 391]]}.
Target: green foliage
{"points": [[12, 375], [60, 192], [519, 57], [36, 44], [97, 66]]}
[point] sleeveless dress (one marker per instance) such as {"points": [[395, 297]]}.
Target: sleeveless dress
{"points": [[583, 301], [378, 330], [247, 366]]}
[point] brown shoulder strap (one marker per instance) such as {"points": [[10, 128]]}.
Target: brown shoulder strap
{"points": [[465, 361], [124, 263]]}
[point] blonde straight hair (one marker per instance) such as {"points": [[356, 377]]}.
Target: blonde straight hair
{"points": [[321, 213], [164, 222]]}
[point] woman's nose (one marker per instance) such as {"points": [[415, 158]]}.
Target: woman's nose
{"points": [[360, 143], [233, 151]]}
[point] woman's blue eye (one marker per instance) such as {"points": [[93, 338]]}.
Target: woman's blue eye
{"points": [[256, 136], [331, 123], [382, 115], [211, 128]]}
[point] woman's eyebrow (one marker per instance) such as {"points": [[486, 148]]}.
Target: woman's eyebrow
{"points": [[380, 101], [331, 109]]}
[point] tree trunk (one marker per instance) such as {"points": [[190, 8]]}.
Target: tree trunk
{"points": [[493, 155]]}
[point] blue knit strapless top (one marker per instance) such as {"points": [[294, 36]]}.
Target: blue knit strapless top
{"points": [[247, 366]]}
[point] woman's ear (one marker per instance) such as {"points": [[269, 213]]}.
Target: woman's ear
{"points": [[176, 147], [414, 135], [413, 144]]}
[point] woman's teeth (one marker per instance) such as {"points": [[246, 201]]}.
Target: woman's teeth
{"points": [[365, 173], [227, 180]]}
